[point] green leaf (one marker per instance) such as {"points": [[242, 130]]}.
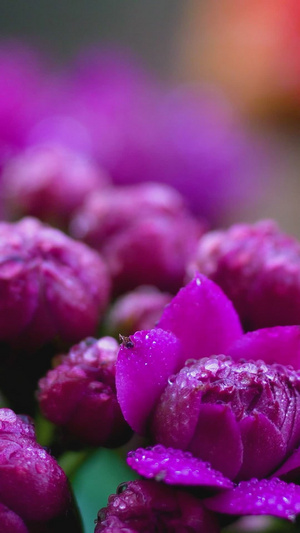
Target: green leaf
{"points": [[95, 480]]}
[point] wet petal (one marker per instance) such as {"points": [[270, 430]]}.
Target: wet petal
{"points": [[280, 344], [290, 470], [176, 414], [143, 367], [258, 435], [217, 439], [175, 467], [203, 318], [254, 497]]}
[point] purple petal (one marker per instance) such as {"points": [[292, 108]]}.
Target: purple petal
{"points": [[177, 411], [143, 367], [280, 344], [217, 439], [175, 467], [254, 497], [264, 446], [203, 318], [290, 470]]}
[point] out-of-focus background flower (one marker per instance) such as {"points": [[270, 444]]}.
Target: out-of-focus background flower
{"points": [[244, 54], [201, 95], [230, 78]]}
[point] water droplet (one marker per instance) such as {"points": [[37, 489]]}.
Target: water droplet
{"points": [[122, 487], [172, 379]]}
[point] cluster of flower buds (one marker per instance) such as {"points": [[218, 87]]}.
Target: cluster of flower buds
{"points": [[109, 108], [115, 161], [144, 232]]}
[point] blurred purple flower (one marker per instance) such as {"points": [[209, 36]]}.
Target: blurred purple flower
{"points": [[193, 141], [144, 232], [136, 310], [242, 417], [188, 137], [141, 506], [49, 182], [258, 268], [34, 489], [23, 83], [50, 286], [80, 394]]}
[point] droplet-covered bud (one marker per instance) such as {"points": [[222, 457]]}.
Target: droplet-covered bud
{"points": [[141, 506], [34, 489], [80, 394], [49, 182], [50, 286], [241, 417], [144, 232], [258, 268]]}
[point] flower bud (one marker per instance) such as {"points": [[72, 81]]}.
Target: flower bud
{"points": [[34, 489], [258, 267], [241, 417], [50, 286], [144, 232], [80, 394], [49, 182], [136, 310], [148, 506]]}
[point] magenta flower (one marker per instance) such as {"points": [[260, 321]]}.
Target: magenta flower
{"points": [[243, 408], [141, 506], [136, 310], [257, 266], [80, 394], [50, 286], [34, 489], [243, 417], [144, 232], [49, 182]]}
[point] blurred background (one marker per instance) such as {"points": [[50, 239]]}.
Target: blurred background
{"points": [[230, 74]]}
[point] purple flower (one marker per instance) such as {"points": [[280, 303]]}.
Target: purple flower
{"points": [[244, 409], [258, 268], [80, 394], [49, 182], [34, 489], [144, 232], [243, 417], [145, 505], [136, 310], [50, 286]]}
